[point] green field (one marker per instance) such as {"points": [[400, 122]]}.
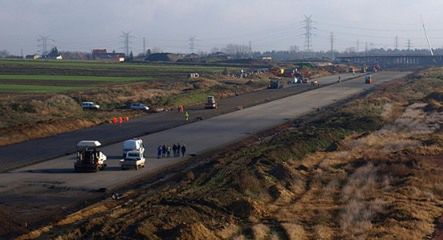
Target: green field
{"points": [[30, 76]]}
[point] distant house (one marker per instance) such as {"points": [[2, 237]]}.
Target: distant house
{"points": [[102, 54]]}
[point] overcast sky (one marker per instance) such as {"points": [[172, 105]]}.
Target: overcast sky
{"points": [[168, 24]]}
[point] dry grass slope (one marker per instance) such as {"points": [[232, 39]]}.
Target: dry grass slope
{"points": [[371, 170]]}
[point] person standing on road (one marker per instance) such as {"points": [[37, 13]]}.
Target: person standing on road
{"points": [[174, 150], [339, 78], [183, 148], [169, 150], [186, 116], [164, 150], [159, 151]]}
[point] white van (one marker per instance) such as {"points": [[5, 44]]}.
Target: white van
{"points": [[133, 145], [133, 159]]}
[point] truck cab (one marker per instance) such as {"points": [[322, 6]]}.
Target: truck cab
{"points": [[211, 104], [133, 145], [133, 159], [89, 157]]}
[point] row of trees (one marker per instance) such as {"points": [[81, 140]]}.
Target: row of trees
{"points": [[244, 52]]}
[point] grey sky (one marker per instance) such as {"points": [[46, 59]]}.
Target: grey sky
{"points": [[168, 24]]}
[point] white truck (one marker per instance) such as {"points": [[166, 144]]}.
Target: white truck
{"points": [[133, 159], [135, 144], [89, 157]]}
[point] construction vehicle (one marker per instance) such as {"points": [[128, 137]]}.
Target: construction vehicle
{"points": [[211, 104], [368, 79], [315, 83], [133, 159], [89, 158], [275, 83], [135, 144]]}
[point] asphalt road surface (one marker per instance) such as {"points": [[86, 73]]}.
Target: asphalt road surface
{"points": [[13, 156], [199, 137]]}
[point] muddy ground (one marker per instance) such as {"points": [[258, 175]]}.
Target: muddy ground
{"points": [[371, 169]]}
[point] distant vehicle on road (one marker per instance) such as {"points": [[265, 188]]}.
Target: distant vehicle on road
{"points": [[315, 83], [138, 106], [133, 145], [211, 104], [133, 159], [275, 83], [90, 105], [89, 158]]}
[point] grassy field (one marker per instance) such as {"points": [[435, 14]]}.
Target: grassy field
{"points": [[27, 76]]}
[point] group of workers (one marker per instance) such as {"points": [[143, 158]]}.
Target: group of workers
{"points": [[166, 151]]}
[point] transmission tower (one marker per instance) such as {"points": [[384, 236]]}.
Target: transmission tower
{"points": [[192, 44], [409, 44], [309, 28], [144, 46], [43, 43], [366, 48], [332, 46], [126, 40], [357, 46]]}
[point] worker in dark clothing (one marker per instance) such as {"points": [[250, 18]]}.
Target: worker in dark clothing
{"points": [[164, 150], [159, 151], [178, 149], [183, 150], [174, 150]]}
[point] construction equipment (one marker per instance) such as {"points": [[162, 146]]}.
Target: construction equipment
{"points": [[315, 83], [135, 144], [275, 83], [211, 104], [89, 158]]}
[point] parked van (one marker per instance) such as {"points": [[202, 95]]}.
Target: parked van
{"points": [[133, 159], [133, 145]]}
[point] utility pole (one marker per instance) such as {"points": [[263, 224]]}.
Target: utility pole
{"points": [[192, 44], [357, 49], [366, 49], [126, 36], [309, 27], [21, 53], [396, 42], [144, 46], [332, 46], [43, 44], [409, 45]]}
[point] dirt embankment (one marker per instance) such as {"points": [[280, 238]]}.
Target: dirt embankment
{"points": [[369, 170], [29, 117]]}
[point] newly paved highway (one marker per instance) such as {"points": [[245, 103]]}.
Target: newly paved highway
{"points": [[199, 137], [37, 150]]}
